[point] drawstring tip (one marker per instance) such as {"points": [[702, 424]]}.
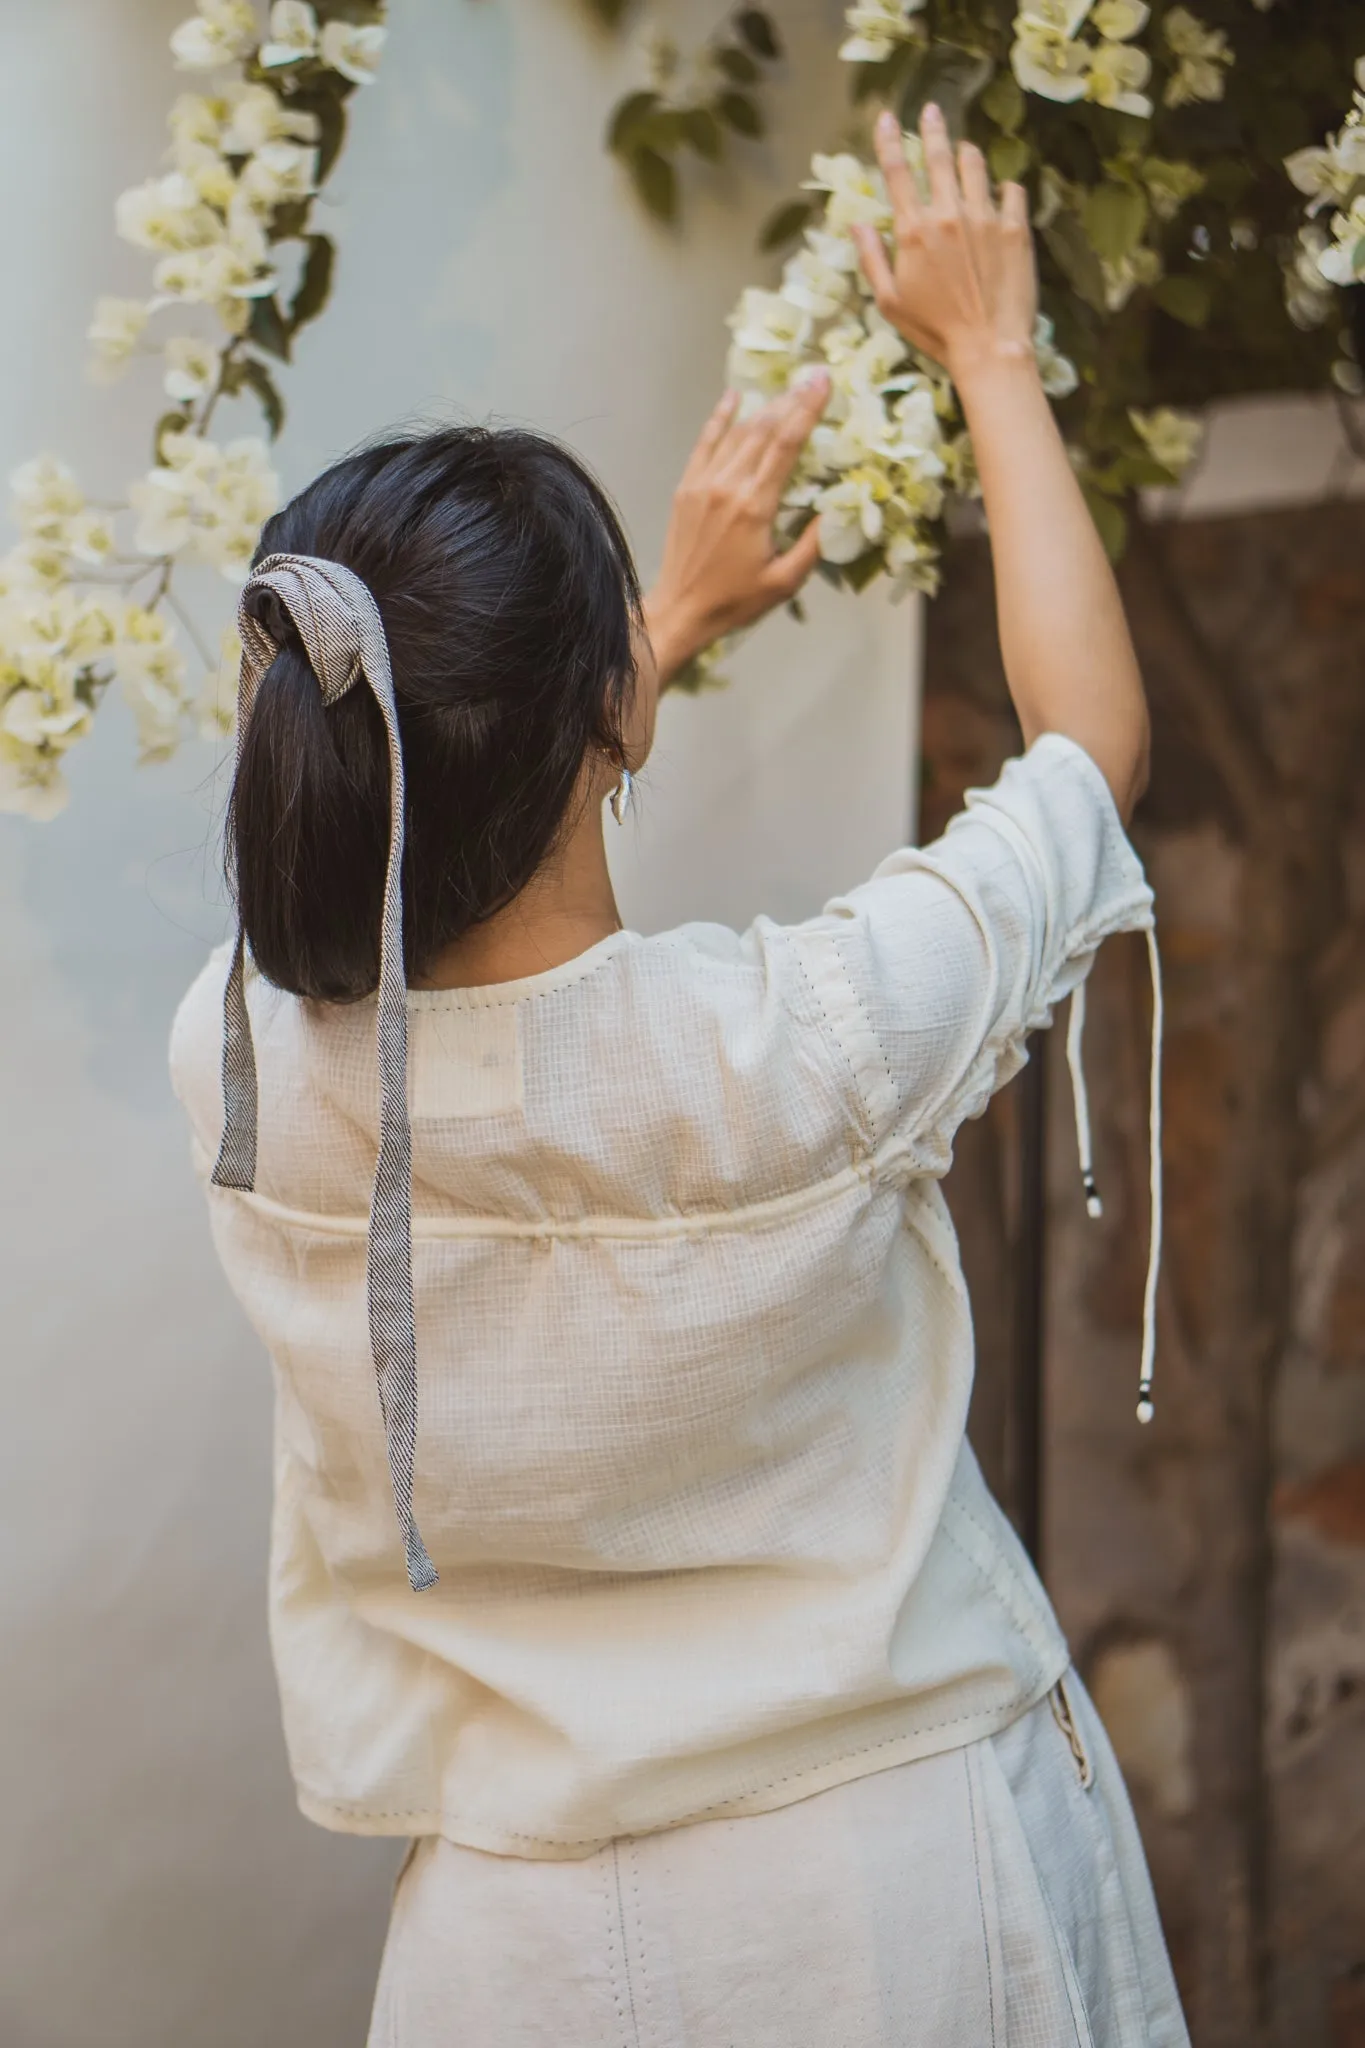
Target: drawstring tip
{"points": [[1145, 1409], [1094, 1207], [421, 1570]]}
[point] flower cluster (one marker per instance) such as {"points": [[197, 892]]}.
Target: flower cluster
{"points": [[1330, 258], [877, 28], [876, 470], [64, 635], [80, 606], [1055, 59]]}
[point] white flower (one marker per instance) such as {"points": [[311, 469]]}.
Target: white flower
{"points": [[293, 34], [1045, 61], [151, 672], [192, 368], [1203, 52], [354, 52], [220, 33], [1120, 20], [850, 514], [234, 271], [256, 115], [1054, 17], [877, 27], [196, 121], [34, 789], [1329, 175], [1058, 372], [166, 213], [210, 173], [114, 333], [206, 502], [46, 495], [1171, 438], [1342, 262], [1117, 74], [856, 192], [278, 173], [811, 284], [766, 323], [912, 563], [89, 537]]}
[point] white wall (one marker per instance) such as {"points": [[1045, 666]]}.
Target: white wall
{"points": [[157, 1887]]}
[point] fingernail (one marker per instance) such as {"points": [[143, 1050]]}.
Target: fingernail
{"points": [[887, 124], [933, 113]]}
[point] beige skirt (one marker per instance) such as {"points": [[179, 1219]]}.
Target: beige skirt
{"points": [[992, 1897]]}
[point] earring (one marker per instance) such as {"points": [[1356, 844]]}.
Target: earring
{"points": [[620, 796]]}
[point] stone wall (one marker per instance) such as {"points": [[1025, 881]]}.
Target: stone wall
{"points": [[1210, 1571]]}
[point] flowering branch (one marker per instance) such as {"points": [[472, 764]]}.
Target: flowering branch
{"points": [[84, 602], [1324, 263]]}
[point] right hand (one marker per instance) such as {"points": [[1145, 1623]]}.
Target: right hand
{"points": [[962, 285], [721, 567]]}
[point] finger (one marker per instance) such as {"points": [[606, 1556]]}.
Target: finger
{"points": [[790, 431], [787, 572], [711, 435], [900, 183], [975, 182], [876, 269], [1014, 206], [938, 161]]}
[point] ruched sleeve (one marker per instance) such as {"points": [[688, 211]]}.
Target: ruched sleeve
{"points": [[931, 975]]}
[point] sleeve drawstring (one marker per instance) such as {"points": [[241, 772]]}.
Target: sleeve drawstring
{"points": [[1084, 1147]]}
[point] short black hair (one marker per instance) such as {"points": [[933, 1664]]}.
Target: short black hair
{"points": [[510, 599]]}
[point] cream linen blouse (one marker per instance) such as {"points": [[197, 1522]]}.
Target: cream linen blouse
{"points": [[694, 1350]]}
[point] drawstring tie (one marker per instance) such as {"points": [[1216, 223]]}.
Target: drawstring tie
{"points": [[1094, 1206], [343, 636]]}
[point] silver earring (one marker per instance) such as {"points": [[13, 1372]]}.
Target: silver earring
{"points": [[620, 796]]}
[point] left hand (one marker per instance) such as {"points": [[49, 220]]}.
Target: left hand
{"points": [[721, 568]]}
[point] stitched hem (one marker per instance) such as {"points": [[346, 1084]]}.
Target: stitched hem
{"points": [[910, 1746]]}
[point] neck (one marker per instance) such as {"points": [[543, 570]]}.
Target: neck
{"points": [[565, 908]]}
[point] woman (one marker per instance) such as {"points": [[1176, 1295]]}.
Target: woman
{"points": [[716, 1696]]}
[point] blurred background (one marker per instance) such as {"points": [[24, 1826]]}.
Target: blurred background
{"points": [[157, 1886]]}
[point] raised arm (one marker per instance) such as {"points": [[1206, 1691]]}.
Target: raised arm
{"points": [[961, 285]]}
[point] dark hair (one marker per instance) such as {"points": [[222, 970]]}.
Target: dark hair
{"points": [[508, 595]]}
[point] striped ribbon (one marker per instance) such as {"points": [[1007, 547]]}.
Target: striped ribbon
{"points": [[343, 635]]}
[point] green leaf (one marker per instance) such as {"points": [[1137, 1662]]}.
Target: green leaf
{"points": [[701, 131], [1111, 522], [1115, 216], [857, 575], [628, 117], [251, 372], [786, 223], [656, 181], [738, 66], [1004, 101], [609, 11], [1131, 473], [315, 286], [759, 32], [1186, 298], [950, 76], [330, 109], [739, 112], [169, 423], [1077, 261], [1009, 157], [267, 328], [289, 220]]}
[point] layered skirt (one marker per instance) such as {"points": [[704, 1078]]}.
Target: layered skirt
{"points": [[994, 1896]]}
